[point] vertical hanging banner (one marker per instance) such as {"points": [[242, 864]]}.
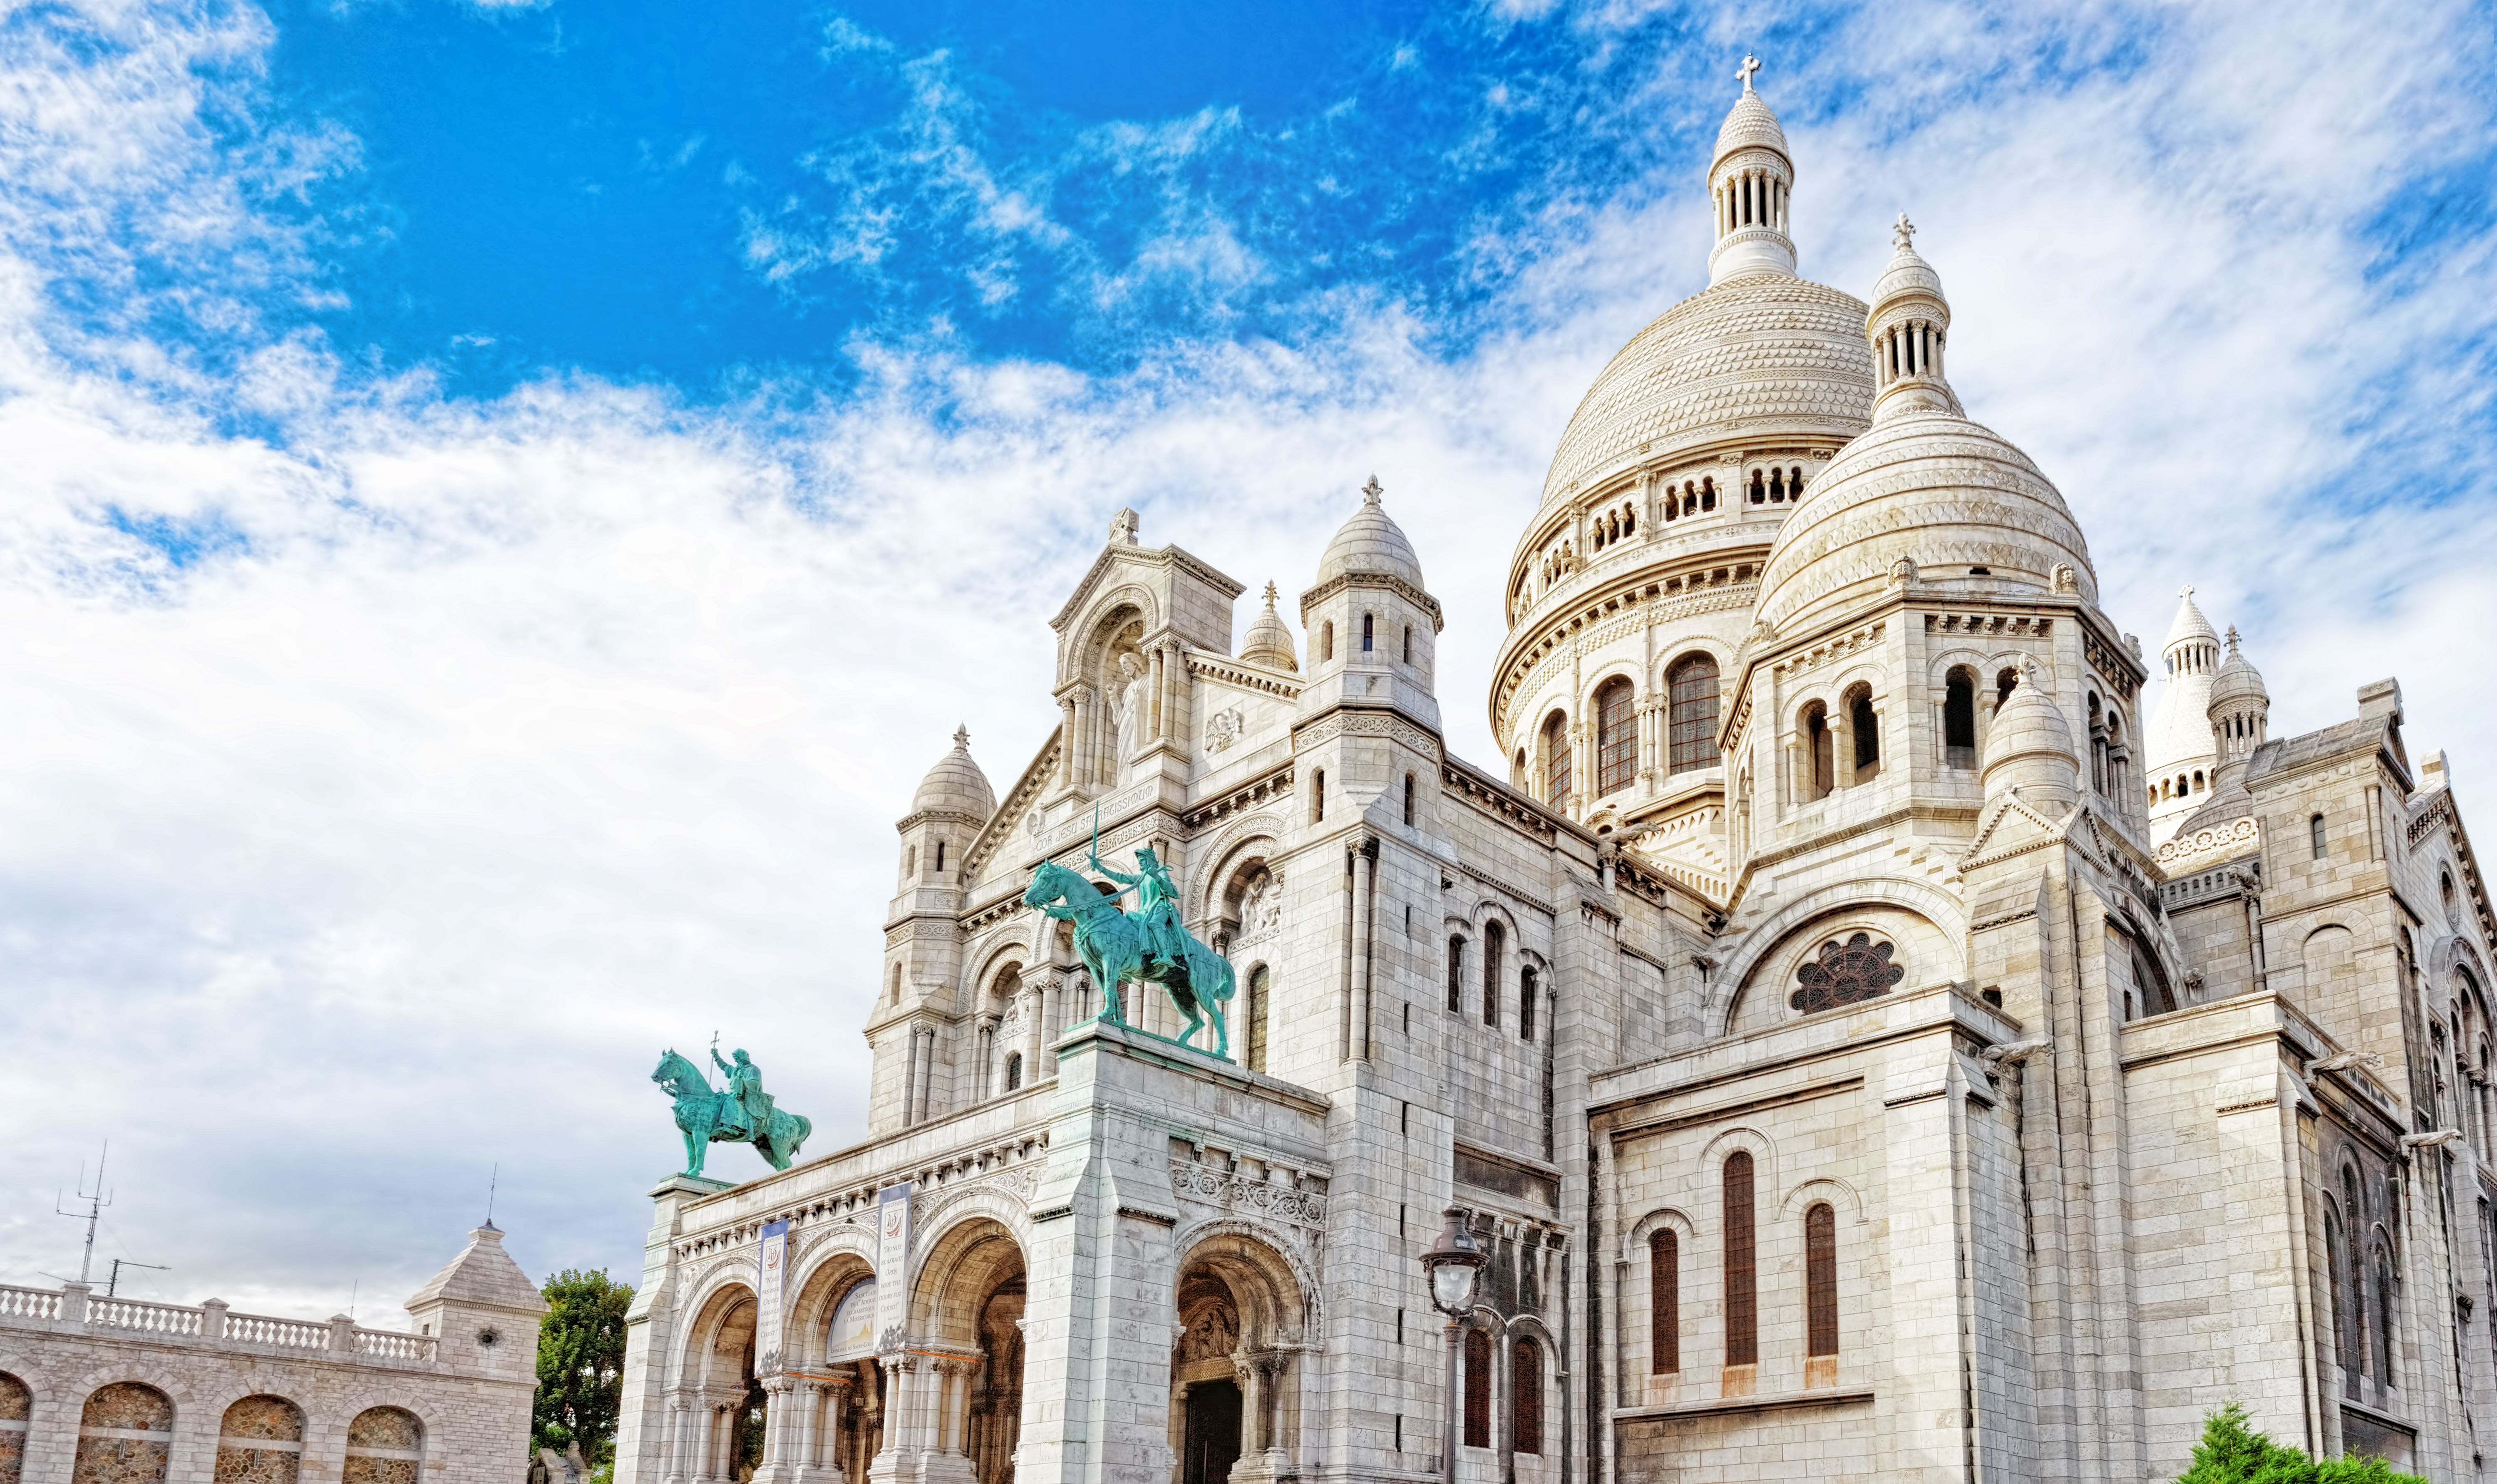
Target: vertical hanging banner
{"points": [[892, 1265], [769, 1291]]}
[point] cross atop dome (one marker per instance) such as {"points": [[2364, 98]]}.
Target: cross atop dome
{"points": [[1751, 65], [1902, 237], [961, 736], [1370, 493]]}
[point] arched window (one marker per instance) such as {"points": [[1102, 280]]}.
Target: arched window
{"points": [[1616, 738], [1369, 624], [1759, 487], [1525, 1395], [1014, 1071], [1326, 639], [125, 1435], [1818, 761], [2345, 1339], [1556, 761], [2384, 1317], [1477, 1389], [1959, 718], [1257, 1013], [1820, 1280], [1742, 1272], [1456, 975], [910, 864], [2006, 681], [1495, 949], [2355, 1280], [1408, 644], [1526, 1004], [1690, 720], [1708, 494], [1663, 1302], [2314, 837], [1317, 795], [940, 860], [1408, 799], [385, 1445], [1866, 726]]}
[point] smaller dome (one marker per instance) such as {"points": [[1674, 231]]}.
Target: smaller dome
{"points": [[1748, 125], [1269, 642], [2238, 680], [1371, 544], [1907, 273], [956, 785], [2029, 746]]}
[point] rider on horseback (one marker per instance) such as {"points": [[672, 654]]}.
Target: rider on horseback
{"points": [[1156, 904], [746, 1109]]}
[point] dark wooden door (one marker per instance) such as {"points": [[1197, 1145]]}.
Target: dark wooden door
{"points": [[1212, 1432]]}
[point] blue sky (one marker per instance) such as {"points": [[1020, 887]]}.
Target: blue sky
{"points": [[500, 503]]}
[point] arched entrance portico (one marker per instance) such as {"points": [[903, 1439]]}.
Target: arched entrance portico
{"points": [[716, 1411], [1234, 1403], [954, 1390]]}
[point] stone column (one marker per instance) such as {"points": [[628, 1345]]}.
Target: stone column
{"points": [[778, 1408], [1036, 1030], [897, 1441], [1157, 688], [1066, 740], [673, 1448]]}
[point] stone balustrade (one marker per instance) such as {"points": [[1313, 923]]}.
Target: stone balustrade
{"points": [[75, 1307]]}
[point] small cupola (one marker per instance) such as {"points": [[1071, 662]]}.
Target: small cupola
{"points": [[1269, 642], [2241, 709], [1907, 326], [2029, 748]]}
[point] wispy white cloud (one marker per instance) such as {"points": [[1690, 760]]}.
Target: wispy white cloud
{"points": [[389, 777]]}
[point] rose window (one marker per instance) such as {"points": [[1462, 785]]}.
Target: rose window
{"points": [[1844, 973]]}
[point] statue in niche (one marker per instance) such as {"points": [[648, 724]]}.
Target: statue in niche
{"points": [[1127, 710], [1261, 909]]}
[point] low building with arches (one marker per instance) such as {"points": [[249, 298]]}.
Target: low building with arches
{"points": [[105, 1390], [1855, 1048]]}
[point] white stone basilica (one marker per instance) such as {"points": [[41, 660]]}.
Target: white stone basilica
{"points": [[1862, 1044]]}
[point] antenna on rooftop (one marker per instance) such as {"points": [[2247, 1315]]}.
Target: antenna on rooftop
{"points": [[113, 1280], [96, 1200], [491, 1181]]}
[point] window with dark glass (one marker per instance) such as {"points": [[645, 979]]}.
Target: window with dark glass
{"points": [[1664, 1302], [1843, 973], [1742, 1272], [1257, 988], [1690, 717], [1867, 727], [1526, 996], [1477, 1389], [1495, 949], [1820, 1280], [1616, 738], [1556, 762], [1456, 973], [1525, 1395]]}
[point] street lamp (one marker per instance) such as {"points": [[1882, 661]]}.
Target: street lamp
{"points": [[1453, 1268]]}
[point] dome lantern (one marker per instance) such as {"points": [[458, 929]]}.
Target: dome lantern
{"points": [[1269, 642], [1909, 321], [1750, 181], [2029, 748]]}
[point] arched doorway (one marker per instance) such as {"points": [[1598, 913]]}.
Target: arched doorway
{"points": [[719, 1411], [1234, 1402], [958, 1391]]}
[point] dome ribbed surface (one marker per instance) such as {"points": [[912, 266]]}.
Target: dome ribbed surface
{"points": [[2238, 680], [1761, 355], [1907, 273], [956, 785], [1940, 491], [1748, 123], [1371, 542]]}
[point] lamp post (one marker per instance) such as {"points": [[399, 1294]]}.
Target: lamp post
{"points": [[1453, 1269]]}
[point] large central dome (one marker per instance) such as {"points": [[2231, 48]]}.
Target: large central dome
{"points": [[1766, 352], [1761, 352]]}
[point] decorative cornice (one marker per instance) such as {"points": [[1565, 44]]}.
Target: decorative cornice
{"points": [[1516, 893], [1143, 556], [1272, 785], [1395, 585], [1343, 721], [1019, 800], [1241, 673]]}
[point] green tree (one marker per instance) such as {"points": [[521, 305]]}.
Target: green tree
{"points": [[580, 1365], [2231, 1452]]}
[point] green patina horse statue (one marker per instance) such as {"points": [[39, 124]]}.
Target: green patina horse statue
{"points": [[742, 1115], [1119, 948]]}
